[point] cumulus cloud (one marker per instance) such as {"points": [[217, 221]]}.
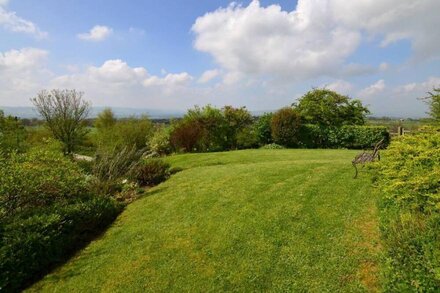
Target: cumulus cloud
{"points": [[401, 100], [373, 89], [340, 86], [256, 40], [13, 23], [22, 74], [208, 75], [316, 38], [394, 20], [96, 34], [115, 82]]}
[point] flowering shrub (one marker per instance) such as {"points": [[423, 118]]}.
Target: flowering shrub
{"points": [[408, 180]]}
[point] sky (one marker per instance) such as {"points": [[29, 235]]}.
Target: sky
{"points": [[174, 54]]}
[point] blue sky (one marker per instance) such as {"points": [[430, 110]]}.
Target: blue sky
{"points": [[263, 55]]}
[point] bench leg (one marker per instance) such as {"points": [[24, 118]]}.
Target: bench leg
{"points": [[356, 171]]}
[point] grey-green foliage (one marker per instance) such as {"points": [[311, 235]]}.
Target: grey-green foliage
{"points": [[110, 168]]}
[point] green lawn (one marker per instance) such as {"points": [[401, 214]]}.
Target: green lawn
{"points": [[254, 220]]}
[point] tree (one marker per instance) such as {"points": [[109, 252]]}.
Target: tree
{"points": [[433, 101], [285, 126], [263, 128], [106, 119], [328, 108], [65, 112]]}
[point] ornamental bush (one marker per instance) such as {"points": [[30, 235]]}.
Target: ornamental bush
{"points": [[408, 181], [152, 171]]}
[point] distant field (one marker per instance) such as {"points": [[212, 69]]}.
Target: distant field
{"points": [[393, 124], [254, 220]]}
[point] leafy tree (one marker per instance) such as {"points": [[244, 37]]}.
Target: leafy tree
{"points": [[328, 108], [105, 119], [263, 128], [12, 133], [65, 112], [433, 101], [285, 126]]}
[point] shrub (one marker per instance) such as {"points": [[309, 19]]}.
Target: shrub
{"points": [[123, 133], [349, 136], [409, 187], [213, 127], [247, 138], [12, 134], [38, 135], [159, 144], [152, 171], [238, 123], [31, 245], [285, 127], [38, 178], [272, 146], [187, 136]]}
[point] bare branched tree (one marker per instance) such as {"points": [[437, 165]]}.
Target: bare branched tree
{"points": [[65, 112]]}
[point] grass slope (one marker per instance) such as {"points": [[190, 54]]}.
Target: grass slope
{"points": [[272, 220]]}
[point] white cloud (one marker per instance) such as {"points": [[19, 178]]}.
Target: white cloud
{"points": [[419, 88], [116, 83], [340, 86], [96, 34], [4, 2], [22, 74], [394, 20], [257, 40], [399, 100], [316, 38], [21, 59], [373, 89], [209, 75], [169, 80], [11, 22]]}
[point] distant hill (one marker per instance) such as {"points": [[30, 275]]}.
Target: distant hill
{"points": [[30, 112]]}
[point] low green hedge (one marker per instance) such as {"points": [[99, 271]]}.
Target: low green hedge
{"points": [[350, 136], [408, 182], [31, 244]]}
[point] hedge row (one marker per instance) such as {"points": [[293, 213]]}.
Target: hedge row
{"points": [[350, 136], [408, 181], [32, 244]]}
